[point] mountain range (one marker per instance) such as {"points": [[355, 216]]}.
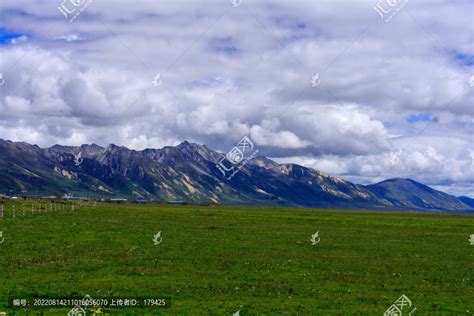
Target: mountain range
{"points": [[188, 172]]}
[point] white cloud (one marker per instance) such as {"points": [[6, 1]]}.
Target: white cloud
{"points": [[19, 39], [226, 76], [69, 37]]}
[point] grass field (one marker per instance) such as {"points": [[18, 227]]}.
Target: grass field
{"points": [[259, 260]]}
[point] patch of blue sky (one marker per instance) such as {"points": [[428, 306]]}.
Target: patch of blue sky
{"points": [[224, 45], [300, 25], [7, 36], [229, 50], [298, 30], [465, 59], [421, 117]]}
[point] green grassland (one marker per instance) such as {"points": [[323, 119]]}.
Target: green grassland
{"points": [[216, 260]]}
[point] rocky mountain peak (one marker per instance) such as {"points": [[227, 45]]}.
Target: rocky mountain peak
{"points": [[188, 172]]}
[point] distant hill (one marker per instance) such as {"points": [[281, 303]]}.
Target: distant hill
{"points": [[467, 200], [188, 172], [406, 193]]}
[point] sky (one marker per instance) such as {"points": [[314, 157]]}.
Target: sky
{"points": [[334, 85]]}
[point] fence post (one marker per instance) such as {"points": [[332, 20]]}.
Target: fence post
{"points": [[14, 211]]}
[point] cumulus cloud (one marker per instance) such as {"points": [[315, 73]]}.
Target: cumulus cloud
{"points": [[386, 88]]}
